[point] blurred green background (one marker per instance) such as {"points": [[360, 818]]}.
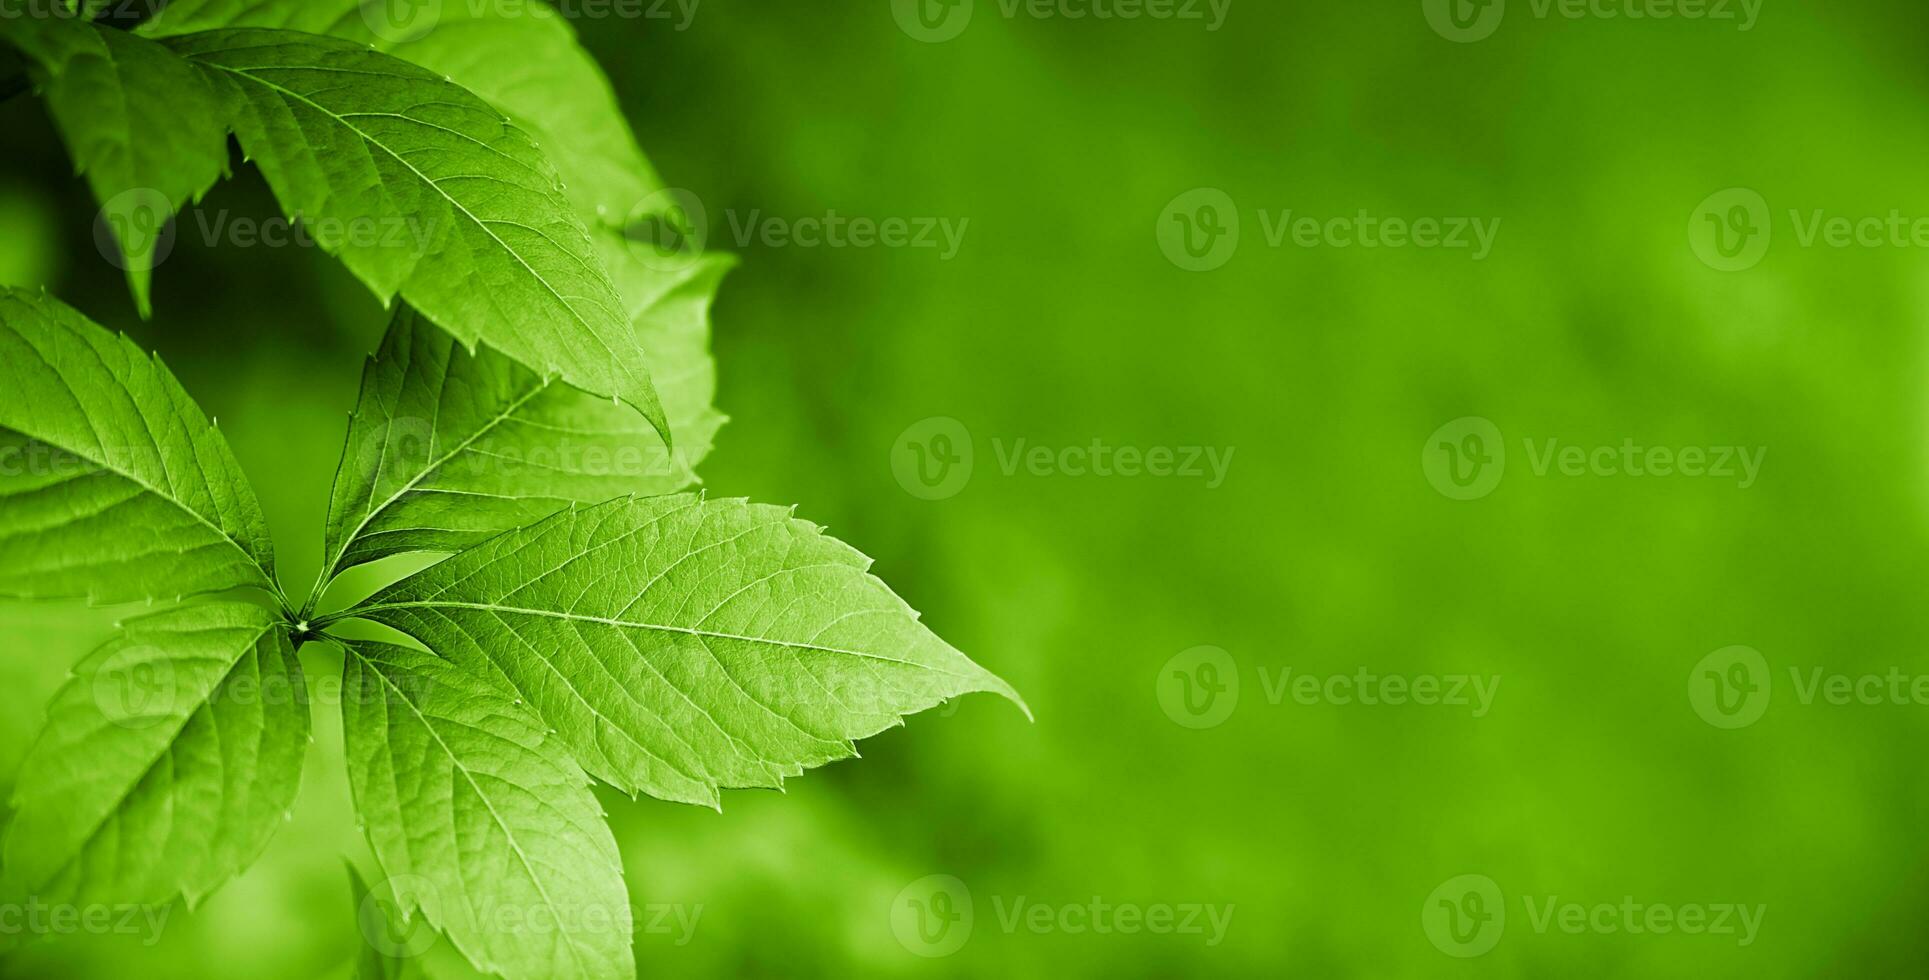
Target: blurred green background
{"points": [[1324, 827]]}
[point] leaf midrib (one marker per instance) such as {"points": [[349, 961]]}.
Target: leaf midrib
{"points": [[372, 141], [455, 761], [368, 610]]}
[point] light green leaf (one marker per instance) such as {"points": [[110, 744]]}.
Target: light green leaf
{"points": [[381, 954], [166, 762], [396, 940], [434, 195], [492, 829], [680, 645], [113, 486], [447, 448], [522, 57], [143, 127]]}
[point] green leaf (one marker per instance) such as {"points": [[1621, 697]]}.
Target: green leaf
{"points": [[436, 197], [379, 957], [113, 485], [447, 448], [522, 57], [142, 125], [680, 645], [465, 797], [397, 942], [166, 763]]}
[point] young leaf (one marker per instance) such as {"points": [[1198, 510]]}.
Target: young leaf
{"points": [[435, 195], [373, 960], [448, 448], [113, 486], [396, 945], [166, 763], [504, 844], [680, 645], [521, 57], [142, 125]]}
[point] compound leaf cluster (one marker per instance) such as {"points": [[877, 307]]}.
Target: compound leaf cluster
{"points": [[535, 413]]}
